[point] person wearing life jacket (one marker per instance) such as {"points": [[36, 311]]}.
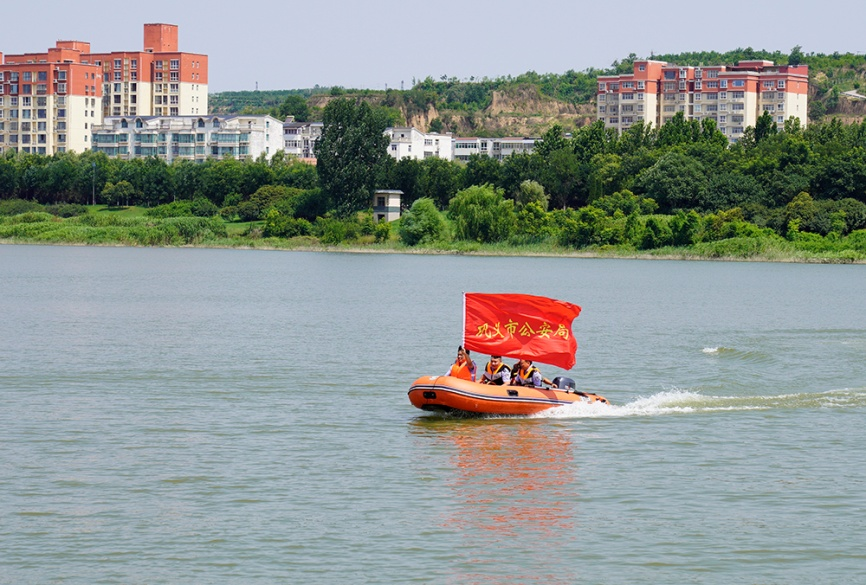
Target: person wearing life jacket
{"points": [[496, 372], [463, 367], [525, 374]]}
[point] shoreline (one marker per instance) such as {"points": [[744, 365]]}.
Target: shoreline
{"points": [[685, 256]]}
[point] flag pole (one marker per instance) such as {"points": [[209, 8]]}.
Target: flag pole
{"points": [[463, 331]]}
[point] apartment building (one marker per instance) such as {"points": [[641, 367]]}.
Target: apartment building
{"points": [[299, 138], [193, 138], [157, 81], [498, 148], [408, 142], [734, 96], [50, 101]]}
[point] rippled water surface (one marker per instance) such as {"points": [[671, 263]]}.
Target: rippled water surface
{"points": [[224, 416]]}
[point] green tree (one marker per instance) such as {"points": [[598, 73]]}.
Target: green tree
{"points": [[764, 127], [531, 192], [481, 213], [796, 56], [676, 181], [294, 105], [350, 151], [117, 194], [422, 223], [553, 139]]}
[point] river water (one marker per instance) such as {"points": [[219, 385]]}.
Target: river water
{"points": [[231, 416]]}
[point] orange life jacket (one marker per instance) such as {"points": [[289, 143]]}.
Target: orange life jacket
{"points": [[525, 378], [461, 370], [491, 373]]}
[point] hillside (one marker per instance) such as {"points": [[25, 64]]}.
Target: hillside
{"points": [[530, 103]]}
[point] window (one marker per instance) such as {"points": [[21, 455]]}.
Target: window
{"points": [[117, 63], [712, 84], [738, 83], [61, 88], [738, 107], [640, 85], [780, 95], [769, 84], [41, 76], [780, 84], [738, 95], [175, 64], [723, 83], [117, 76], [28, 76]]}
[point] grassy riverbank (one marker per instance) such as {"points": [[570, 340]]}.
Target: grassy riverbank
{"points": [[102, 226]]}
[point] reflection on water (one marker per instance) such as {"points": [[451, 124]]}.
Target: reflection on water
{"points": [[513, 490]]}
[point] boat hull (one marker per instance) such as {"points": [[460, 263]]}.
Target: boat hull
{"points": [[449, 394]]}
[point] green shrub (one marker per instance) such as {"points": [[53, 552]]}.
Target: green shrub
{"points": [[173, 209], [203, 207], [66, 209], [422, 223], [18, 206], [382, 232]]}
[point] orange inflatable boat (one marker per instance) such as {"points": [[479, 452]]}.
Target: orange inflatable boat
{"points": [[449, 394]]}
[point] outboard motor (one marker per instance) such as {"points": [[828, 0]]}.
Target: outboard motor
{"points": [[564, 383]]}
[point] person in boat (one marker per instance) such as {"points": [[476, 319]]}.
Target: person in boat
{"points": [[526, 374], [496, 372], [464, 366]]}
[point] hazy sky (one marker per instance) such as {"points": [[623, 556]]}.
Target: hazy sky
{"points": [[286, 44]]}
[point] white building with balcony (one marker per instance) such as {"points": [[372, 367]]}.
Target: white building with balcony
{"points": [[409, 142], [299, 138], [194, 138]]}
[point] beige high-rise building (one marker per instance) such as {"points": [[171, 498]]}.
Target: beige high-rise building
{"points": [[734, 96]]}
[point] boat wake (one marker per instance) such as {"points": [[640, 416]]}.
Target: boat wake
{"points": [[685, 402], [729, 353]]}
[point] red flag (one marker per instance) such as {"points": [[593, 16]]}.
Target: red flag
{"points": [[520, 326]]}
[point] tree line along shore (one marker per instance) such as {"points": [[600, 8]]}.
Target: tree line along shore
{"points": [[795, 194]]}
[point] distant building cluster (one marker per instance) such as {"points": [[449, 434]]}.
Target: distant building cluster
{"points": [[51, 102], [154, 102], [733, 96]]}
